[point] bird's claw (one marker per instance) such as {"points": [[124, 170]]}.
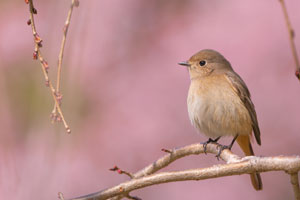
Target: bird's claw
{"points": [[222, 147], [209, 141]]}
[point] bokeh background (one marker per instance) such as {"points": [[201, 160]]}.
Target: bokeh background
{"points": [[124, 95]]}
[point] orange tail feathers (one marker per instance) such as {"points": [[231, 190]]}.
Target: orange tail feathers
{"points": [[244, 142]]}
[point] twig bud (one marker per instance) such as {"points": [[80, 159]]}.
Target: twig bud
{"points": [[38, 39], [297, 73], [65, 28], [58, 97], [34, 11], [35, 55], [58, 118], [166, 150], [47, 83], [45, 65], [28, 22], [292, 32], [76, 3], [114, 168], [117, 169], [68, 130]]}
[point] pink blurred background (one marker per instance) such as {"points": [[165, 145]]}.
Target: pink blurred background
{"points": [[125, 95]]}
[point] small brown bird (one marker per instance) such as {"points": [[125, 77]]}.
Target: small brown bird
{"points": [[219, 103]]}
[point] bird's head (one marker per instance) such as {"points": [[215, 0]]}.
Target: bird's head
{"points": [[205, 63]]}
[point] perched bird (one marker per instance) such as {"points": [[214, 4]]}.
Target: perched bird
{"points": [[219, 103]]}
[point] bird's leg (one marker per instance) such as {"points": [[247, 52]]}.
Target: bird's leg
{"points": [[222, 147], [209, 141]]}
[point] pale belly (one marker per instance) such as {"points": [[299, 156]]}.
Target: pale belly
{"points": [[218, 112]]}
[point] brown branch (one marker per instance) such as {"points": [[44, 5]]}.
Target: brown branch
{"points": [[193, 149], [55, 115], [291, 36], [44, 64], [234, 166], [295, 184]]}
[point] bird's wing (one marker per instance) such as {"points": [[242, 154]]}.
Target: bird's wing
{"points": [[242, 91]]}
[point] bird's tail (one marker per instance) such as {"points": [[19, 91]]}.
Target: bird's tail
{"points": [[244, 142]]}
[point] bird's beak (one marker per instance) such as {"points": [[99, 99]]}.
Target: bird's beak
{"points": [[185, 63]]}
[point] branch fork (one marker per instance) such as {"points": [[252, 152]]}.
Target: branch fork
{"points": [[57, 114], [235, 165]]}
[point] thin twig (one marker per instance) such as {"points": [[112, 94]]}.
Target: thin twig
{"points": [[61, 196], [38, 54], [62, 47], [166, 150], [117, 169], [295, 184], [60, 57], [133, 197], [291, 36], [235, 166]]}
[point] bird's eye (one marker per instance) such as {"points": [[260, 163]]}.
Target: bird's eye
{"points": [[202, 62]]}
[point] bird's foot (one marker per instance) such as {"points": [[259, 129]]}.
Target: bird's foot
{"points": [[222, 147], [209, 141]]}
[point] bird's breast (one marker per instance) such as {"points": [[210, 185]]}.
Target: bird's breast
{"points": [[215, 109]]}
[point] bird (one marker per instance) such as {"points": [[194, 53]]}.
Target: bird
{"points": [[219, 104]]}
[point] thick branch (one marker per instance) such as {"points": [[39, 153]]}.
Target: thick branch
{"points": [[234, 166], [193, 149]]}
